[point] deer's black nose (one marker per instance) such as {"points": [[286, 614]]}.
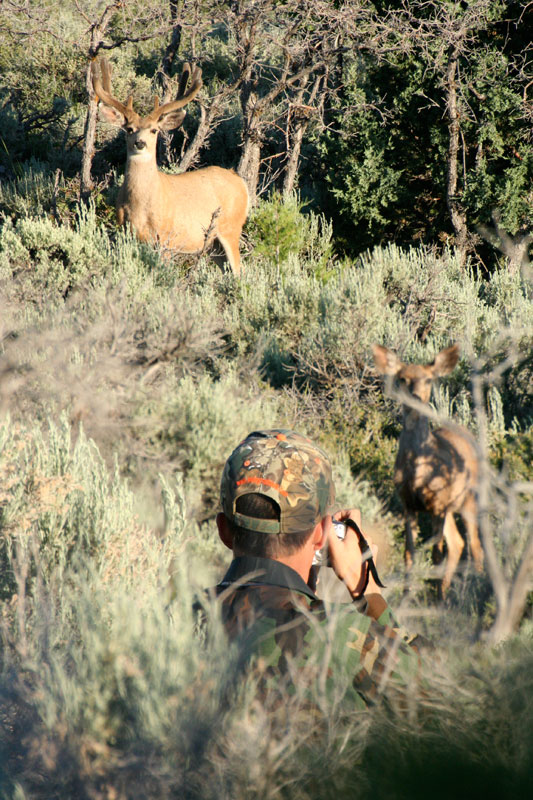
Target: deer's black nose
{"points": [[140, 144]]}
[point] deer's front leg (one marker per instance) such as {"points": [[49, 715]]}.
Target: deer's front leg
{"points": [[469, 515], [455, 544], [411, 534]]}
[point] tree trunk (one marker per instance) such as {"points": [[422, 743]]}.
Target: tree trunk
{"points": [[175, 40], [250, 159], [293, 159], [457, 214], [163, 78], [298, 119], [89, 137], [202, 134], [89, 132]]}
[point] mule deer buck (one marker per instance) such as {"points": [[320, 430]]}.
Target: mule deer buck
{"points": [[183, 212], [435, 471]]}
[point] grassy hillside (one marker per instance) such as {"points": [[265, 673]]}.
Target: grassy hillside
{"points": [[125, 380]]}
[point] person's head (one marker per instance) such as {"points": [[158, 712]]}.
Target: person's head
{"points": [[276, 490]]}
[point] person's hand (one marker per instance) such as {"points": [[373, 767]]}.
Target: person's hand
{"points": [[346, 558]]}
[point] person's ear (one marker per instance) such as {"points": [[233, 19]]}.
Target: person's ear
{"points": [[320, 533], [224, 530]]}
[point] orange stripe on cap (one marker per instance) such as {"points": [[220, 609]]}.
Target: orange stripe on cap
{"points": [[264, 482]]}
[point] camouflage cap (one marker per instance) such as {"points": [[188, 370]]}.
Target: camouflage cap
{"points": [[285, 466]]}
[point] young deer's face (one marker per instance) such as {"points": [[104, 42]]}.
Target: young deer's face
{"points": [[415, 379]]}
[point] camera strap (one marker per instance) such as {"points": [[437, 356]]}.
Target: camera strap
{"points": [[368, 558]]}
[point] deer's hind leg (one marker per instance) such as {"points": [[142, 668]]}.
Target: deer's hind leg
{"points": [[230, 243], [469, 515], [455, 545], [411, 535]]}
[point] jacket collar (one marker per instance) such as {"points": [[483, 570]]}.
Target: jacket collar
{"points": [[265, 572]]}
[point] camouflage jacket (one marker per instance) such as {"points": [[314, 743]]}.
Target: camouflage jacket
{"points": [[281, 624]]}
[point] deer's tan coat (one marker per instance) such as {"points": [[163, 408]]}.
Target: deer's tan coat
{"points": [[184, 212]]}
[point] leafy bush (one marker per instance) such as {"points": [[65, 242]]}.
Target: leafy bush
{"points": [[277, 228], [513, 452]]}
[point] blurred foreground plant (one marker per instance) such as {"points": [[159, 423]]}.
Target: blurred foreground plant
{"points": [[107, 688]]}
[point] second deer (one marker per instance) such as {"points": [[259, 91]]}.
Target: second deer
{"points": [[182, 212], [435, 470]]}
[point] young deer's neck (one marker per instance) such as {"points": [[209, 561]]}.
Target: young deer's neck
{"points": [[415, 426]]}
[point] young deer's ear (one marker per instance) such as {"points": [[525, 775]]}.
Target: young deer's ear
{"points": [[387, 362], [111, 115], [172, 120], [445, 361]]}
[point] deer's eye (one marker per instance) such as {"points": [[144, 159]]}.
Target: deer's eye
{"points": [[129, 129], [154, 130]]}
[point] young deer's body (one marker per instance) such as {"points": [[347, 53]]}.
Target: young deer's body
{"points": [[435, 471], [183, 212]]}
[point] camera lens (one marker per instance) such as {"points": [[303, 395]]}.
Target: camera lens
{"points": [[339, 528]]}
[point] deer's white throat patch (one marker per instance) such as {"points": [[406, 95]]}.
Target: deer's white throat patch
{"points": [[140, 155]]}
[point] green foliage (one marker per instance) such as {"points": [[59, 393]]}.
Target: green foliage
{"points": [[387, 172], [369, 185], [277, 229], [61, 260], [115, 673], [371, 442], [513, 453], [31, 193]]}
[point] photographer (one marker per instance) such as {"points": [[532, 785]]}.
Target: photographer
{"points": [[276, 495]]}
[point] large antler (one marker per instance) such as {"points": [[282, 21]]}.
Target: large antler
{"points": [[102, 89], [195, 79]]}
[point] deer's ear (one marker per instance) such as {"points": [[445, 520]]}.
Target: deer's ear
{"points": [[111, 115], [167, 122], [445, 361], [387, 362]]}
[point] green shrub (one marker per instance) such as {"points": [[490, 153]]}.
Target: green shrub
{"points": [[277, 228], [512, 452]]}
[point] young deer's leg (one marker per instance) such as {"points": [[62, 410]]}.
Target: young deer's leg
{"points": [[411, 534], [437, 553], [469, 515], [455, 544]]}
